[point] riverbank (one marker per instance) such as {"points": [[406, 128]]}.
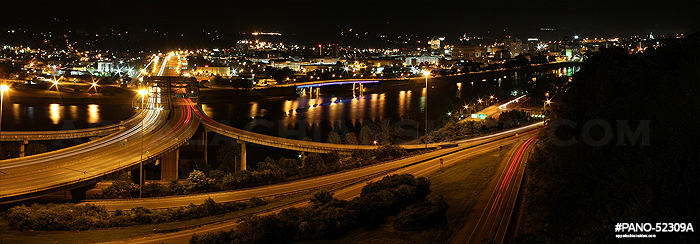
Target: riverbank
{"points": [[288, 91], [80, 93], [68, 94]]}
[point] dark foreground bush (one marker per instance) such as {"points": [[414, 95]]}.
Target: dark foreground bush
{"points": [[422, 215], [330, 218]]}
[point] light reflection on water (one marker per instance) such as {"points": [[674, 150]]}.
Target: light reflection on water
{"points": [[323, 112], [37, 117], [55, 113], [93, 113]]}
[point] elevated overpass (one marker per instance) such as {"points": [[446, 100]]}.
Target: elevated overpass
{"points": [[155, 134], [25, 136], [68, 134], [244, 136], [85, 164], [466, 147]]}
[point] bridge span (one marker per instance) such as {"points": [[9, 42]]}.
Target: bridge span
{"points": [[244, 136], [82, 166], [164, 125]]}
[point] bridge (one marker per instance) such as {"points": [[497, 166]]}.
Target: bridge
{"points": [[154, 135], [68, 134], [25, 136], [168, 120], [80, 167], [301, 87], [244, 136]]}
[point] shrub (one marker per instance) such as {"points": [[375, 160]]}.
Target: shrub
{"points": [[321, 198], [65, 217], [154, 189], [329, 217], [422, 215], [120, 189]]}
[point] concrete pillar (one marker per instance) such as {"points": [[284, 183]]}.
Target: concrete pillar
{"points": [[21, 147], [243, 163], [79, 193], [169, 164]]}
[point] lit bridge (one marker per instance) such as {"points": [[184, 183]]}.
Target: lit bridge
{"points": [[25, 136], [170, 119], [155, 134]]}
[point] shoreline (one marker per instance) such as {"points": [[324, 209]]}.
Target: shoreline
{"points": [[111, 94]]}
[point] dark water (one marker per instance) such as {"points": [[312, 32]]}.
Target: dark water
{"points": [[343, 112], [39, 117]]}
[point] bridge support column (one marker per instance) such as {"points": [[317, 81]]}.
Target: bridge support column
{"points": [[79, 193], [21, 147], [169, 164], [243, 163]]}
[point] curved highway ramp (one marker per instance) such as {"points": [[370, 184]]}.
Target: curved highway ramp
{"points": [[85, 164], [68, 134], [290, 144]]}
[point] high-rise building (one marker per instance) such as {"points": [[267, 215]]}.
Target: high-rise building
{"points": [[435, 42], [532, 43]]}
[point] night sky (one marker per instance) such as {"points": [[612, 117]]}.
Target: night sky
{"points": [[309, 22]]}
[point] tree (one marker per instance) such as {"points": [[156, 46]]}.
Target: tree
{"points": [[242, 83], [321, 198], [422, 215], [333, 137], [227, 156], [197, 181], [633, 180], [351, 138], [154, 189], [34, 148], [313, 163], [217, 80], [123, 187], [366, 136]]}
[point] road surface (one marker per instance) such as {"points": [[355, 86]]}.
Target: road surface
{"points": [[491, 215], [352, 190]]}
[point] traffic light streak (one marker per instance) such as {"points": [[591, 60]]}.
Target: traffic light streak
{"points": [[506, 180]]}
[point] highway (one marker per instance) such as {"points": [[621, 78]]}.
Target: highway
{"points": [[306, 184], [148, 135], [423, 165], [90, 162], [491, 215], [291, 144]]}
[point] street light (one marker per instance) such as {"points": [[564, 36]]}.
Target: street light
{"points": [[143, 93], [3, 88], [547, 102], [426, 73]]}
